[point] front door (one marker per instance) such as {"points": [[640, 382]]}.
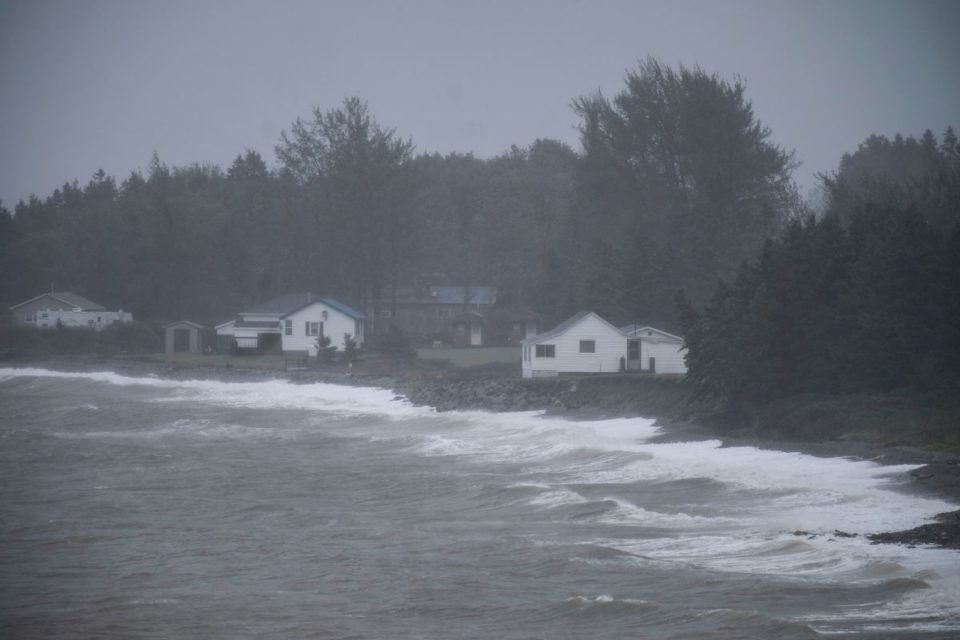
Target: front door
{"points": [[476, 335], [633, 354]]}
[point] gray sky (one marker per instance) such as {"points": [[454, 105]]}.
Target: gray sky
{"points": [[103, 83]]}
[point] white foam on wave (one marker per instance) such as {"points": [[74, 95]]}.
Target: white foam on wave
{"points": [[268, 394], [201, 429]]}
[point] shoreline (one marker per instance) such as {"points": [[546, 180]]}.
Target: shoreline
{"points": [[938, 473]]}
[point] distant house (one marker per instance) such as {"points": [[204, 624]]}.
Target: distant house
{"points": [[293, 323], [584, 343], [521, 325], [183, 336], [431, 313], [66, 309], [654, 350], [468, 329]]}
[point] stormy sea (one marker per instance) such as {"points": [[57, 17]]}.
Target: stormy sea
{"points": [[153, 508]]}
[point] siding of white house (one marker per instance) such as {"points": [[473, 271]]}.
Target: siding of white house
{"points": [[334, 326], [91, 319], [668, 357], [609, 344], [665, 348]]}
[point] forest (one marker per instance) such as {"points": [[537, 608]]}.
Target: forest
{"points": [[677, 211]]}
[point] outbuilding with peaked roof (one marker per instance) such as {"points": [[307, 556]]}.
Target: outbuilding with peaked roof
{"points": [[183, 336], [654, 350]]}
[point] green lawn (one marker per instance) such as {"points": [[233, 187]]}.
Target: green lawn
{"points": [[471, 356]]}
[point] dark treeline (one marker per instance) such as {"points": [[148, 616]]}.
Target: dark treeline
{"points": [[676, 184], [864, 298]]}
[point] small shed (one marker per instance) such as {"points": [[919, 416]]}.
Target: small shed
{"points": [[654, 350], [183, 336]]}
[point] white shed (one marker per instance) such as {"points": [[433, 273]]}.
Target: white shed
{"points": [[585, 343], [654, 350]]}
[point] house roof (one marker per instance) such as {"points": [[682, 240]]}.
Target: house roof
{"points": [[68, 298], [342, 308], [256, 324], [195, 325], [446, 294], [660, 335], [562, 328], [284, 304], [468, 317], [292, 302]]}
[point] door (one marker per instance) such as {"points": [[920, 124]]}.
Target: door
{"points": [[476, 335], [633, 354], [181, 340]]}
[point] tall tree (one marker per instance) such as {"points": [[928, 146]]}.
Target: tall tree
{"points": [[357, 177], [679, 184]]}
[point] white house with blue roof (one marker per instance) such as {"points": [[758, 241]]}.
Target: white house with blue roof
{"points": [[295, 321]]}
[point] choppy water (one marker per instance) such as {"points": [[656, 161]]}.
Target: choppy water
{"points": [[147, 508]]}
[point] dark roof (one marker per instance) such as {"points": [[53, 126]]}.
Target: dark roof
{"points": [[446, 294], [284, 304], [291, 302], [195, 325], [68, 298], [256, 324], [468, 317], [342, 308]]}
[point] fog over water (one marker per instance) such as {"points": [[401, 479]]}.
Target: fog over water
{"points": [[142, 507]]}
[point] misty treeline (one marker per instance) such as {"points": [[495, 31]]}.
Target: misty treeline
{"points": [[676, 186], [862, 298], [677, 183]]}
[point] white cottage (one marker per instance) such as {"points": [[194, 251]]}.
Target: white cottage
{"points": [[325, 317], [585, 343], [295, 321], [653, 350]]}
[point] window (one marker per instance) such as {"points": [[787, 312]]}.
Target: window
{"points": [[441, 313], [312, 328], [588, 346], [546, 351], [29, 318], [385, 313], [288, 327]]}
